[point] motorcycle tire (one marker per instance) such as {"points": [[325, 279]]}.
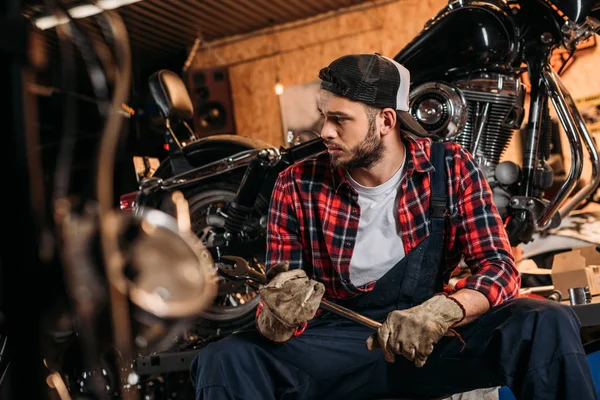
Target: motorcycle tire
{"points": [[236, 309]]}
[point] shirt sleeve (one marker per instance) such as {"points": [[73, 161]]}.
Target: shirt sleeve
{"points": [[482, 237], [283, 236]]}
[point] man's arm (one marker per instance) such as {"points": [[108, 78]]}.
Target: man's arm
{"points": [[283, 230], [414, 332], [276, 319], [474, 304], [484, 243]]}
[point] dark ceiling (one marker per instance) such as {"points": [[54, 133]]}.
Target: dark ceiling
{"points": [[160, 29]]}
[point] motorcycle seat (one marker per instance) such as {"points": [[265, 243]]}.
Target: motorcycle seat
{"points": [[171, 95]]}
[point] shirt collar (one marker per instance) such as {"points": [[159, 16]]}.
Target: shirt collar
{"points": [[417, 158]]}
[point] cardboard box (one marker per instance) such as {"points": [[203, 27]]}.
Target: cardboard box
{"points": [[576, 268]]}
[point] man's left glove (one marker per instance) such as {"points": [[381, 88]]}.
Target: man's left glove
{"points": [[414, 331], [289, 300]]}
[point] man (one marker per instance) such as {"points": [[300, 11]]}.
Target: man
{"points": [[376, 224]]}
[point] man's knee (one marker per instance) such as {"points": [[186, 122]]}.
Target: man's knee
{"points": [[547, 312], [544, 318], [217, 357], [205, 357]]}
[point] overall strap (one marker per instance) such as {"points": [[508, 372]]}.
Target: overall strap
{"points": [[425, 263], [439, 182]]}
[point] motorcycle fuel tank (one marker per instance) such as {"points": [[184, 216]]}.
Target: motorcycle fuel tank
{"points": [[464, 37]]}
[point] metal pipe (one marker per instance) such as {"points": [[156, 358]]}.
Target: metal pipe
{"points": [[242, 270], [173, 136], [227, 164], [592, 185], [349, 314], [481, 116], [554, 90]]}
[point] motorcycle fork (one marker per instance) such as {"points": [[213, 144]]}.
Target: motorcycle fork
{"points": [[525, 206], [254, 177], [250, 187], [534, 127]]}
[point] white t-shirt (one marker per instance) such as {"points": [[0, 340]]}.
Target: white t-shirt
{"points": [[378, 243]]}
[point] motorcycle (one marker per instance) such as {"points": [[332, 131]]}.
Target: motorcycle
{"points": [[470, 90], [227, 181]]}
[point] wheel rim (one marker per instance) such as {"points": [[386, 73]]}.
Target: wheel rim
{"points": [[235, 299]]}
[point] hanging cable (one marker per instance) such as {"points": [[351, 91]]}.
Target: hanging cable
{"points": [[105, 174], [566, 62], [93, 59]]}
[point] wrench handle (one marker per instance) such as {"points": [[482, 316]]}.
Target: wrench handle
{"points": [[349, 314]]}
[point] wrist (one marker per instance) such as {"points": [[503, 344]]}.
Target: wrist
{"points": [[450, 309], [463, 312]]}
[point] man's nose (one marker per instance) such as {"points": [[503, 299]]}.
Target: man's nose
{"points": [[328, 131]]}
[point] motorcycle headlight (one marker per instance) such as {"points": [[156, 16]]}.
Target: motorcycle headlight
{"points": [[440, 108]]}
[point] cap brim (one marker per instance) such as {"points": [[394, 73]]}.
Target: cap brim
{"points": [[408, 123]]}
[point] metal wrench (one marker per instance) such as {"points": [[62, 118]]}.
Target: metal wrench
{"points": [[240, 270]]}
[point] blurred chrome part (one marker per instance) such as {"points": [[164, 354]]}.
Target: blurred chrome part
{"points": [[166, 272], [55, 381], [182, 212], [440, 108]]}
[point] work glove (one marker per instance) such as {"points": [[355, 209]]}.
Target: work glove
{"points": [[289, 300], [413, 332]]}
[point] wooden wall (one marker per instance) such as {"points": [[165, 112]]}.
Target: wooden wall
{"points": [[581, 78], [297, 52]]}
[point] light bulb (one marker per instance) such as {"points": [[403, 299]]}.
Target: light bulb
{"points": [[278, 89]]}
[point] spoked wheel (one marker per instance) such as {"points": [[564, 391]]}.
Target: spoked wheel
{"points": [[235, 305]]}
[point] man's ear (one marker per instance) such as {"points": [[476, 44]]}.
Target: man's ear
{"points": [[389, 121]]}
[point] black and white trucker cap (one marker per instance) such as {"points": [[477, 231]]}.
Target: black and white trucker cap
{"points": [[374, 80]]}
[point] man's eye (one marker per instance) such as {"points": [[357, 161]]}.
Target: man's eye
{"points": [[339, 120]]}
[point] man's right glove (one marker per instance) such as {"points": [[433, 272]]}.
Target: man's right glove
{"points": [[289, 300]]}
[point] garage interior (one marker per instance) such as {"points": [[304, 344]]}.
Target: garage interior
{"points": [[76, 158]]}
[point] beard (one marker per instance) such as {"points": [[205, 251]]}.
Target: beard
{"points": [[365, 154]]}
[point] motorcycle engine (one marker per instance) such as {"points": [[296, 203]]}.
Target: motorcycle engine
{"points": [[481, 112]]}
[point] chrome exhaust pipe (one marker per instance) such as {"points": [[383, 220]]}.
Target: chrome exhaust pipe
{"points": [[592, 185], [558, 94]]}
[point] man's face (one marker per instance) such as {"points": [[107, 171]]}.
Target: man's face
{"points": [[350, 134]]}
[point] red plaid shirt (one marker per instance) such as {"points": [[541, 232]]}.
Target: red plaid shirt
{"points": [[314, 215]]}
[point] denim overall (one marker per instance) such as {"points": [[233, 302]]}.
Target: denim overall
{"points": [[330, 359]]}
